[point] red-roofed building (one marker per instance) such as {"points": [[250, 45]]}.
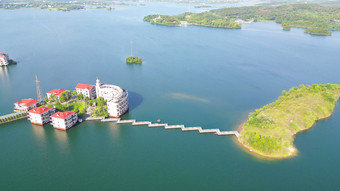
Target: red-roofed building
{"points": [[56, 92], [40, 115], [3, 59], [64, 120], [87, 90], [26, 104]]}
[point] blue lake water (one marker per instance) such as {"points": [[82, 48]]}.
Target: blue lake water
{"points": [[195, 76]]}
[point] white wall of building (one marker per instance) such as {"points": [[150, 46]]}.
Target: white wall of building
{"points": [[87, 93], [41, 118], [4, 61], [65, 123]]}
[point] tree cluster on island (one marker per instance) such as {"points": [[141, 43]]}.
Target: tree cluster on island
{"points": [[270, 130], [77, 103], [134, 60], [315, 19]]}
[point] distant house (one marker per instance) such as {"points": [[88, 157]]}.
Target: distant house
{"points": [[26, 104], [87, 90], [3, 59], [64, 120], [56, 92], [40, 115]]}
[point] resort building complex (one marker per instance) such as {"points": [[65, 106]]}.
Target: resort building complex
{"points": [[56, 92], [116, 97], [3, 59], [87, 90], [26, 104], [64, 120], [40, 115]]}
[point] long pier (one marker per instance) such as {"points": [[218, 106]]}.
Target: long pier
{"points": [[134, 123], [166, 126]]}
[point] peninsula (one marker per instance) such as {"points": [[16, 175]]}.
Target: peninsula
{"points": [[206, 19], [270, 131], [315, 19]]}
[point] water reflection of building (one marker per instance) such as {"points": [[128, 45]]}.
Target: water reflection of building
{"points": [[4, 74], [39, 134], [62, 141]]}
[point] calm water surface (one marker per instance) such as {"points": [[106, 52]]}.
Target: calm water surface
{"points": [[192, 75]]}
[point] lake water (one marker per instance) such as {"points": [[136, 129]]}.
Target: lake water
{"points": [[195, 76]]}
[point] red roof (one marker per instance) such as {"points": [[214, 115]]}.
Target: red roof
{"points": [[84, 86], [56, 91], [39, 110], [63, 115], [2, 55], [27, 102]]}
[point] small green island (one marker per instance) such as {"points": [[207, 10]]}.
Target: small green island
{"points": [[314, 18], [134, 60], [270, 131]]}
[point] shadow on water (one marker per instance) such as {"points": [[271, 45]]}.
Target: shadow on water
{"points": [[135, 100], [131, 66]]}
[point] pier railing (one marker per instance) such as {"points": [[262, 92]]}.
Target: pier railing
{"points": [[13, 116]]}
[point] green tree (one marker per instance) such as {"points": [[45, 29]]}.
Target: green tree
{"points": [[64, 96], [80, 97], [74, 93], [100, 102], [101, 111], [53, 97]]}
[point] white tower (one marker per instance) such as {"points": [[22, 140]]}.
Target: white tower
{"points": [[97, 87], [39, 92]]}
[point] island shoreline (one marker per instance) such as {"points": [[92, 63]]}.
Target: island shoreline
{"points": [[294, 153]]}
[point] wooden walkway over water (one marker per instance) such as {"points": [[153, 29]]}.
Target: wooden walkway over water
{"points": [[166, 126]]}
